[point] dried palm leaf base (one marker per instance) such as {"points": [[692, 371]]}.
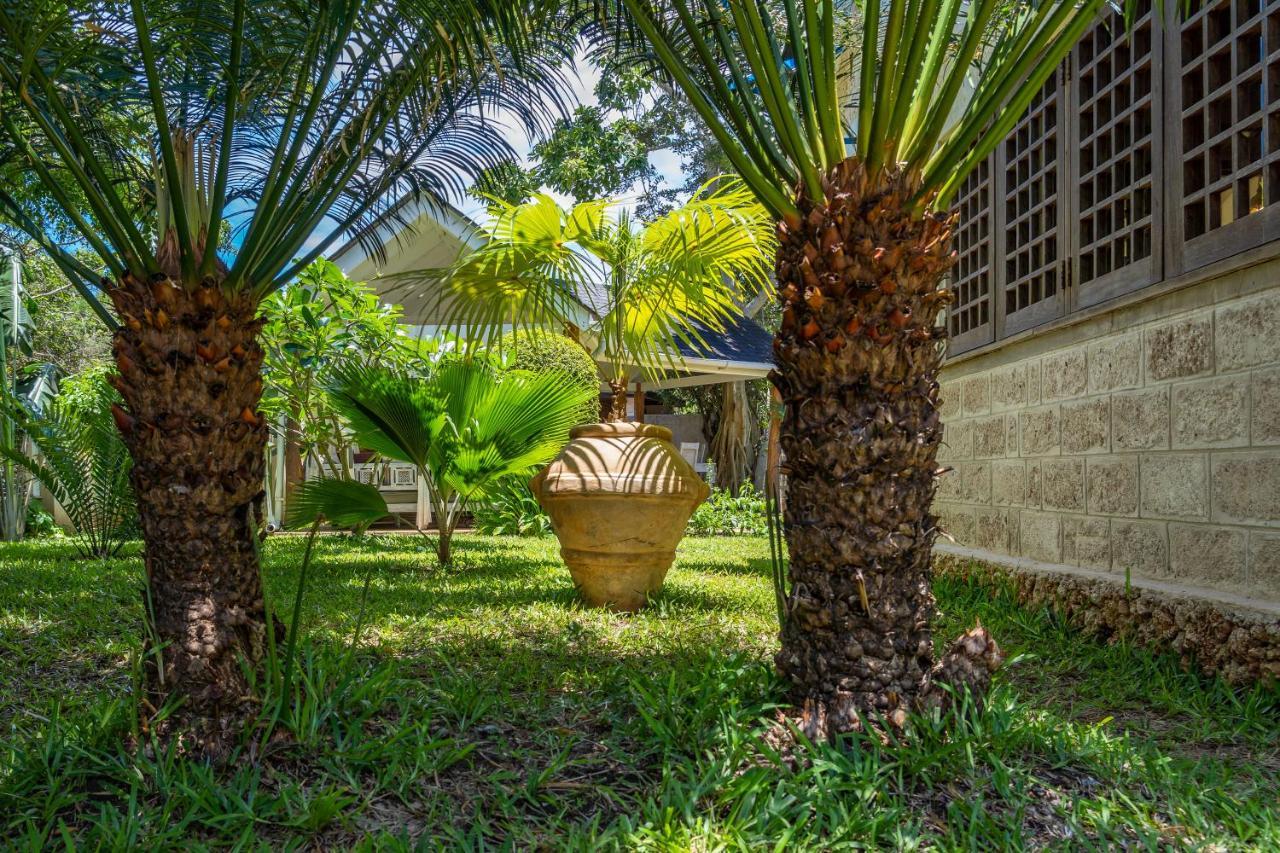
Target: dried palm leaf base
{"points": [[858, 352], [189, 366]]}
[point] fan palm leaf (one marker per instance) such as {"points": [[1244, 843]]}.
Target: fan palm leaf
{"points": [[343, 503]]}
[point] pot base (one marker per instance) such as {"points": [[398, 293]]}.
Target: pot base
{"points": [[620, 582]]}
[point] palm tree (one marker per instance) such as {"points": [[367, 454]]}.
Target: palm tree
{"points": [[464, 428], [854, 126], [208, 151], [650, 286]]}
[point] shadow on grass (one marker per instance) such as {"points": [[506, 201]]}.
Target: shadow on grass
{"points": [[487, 708]]}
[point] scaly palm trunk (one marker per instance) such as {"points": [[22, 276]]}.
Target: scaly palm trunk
{"points": [[858, 354], [618, 405], [189, 369]]}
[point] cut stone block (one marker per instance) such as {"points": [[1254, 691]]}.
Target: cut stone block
{"points": [[1174, 485]]}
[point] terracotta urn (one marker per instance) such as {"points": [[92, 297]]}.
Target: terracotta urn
{"points": [[619, 496]]}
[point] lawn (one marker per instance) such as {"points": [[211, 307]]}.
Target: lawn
{"points": [[485, 708]]}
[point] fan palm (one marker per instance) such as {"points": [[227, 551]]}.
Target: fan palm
{"points": [[464, 428], [650, 286], [854, 126], [207, 151]]}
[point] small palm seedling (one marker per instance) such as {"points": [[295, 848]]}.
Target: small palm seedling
{"points": [[343, 503], [80, 458]]}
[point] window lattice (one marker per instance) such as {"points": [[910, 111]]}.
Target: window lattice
{"points": [[1230, 137], [1116, 114], [971, 309], [1031, 204]]}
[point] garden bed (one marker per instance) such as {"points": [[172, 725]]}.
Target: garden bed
{"points": [[485, 706]]}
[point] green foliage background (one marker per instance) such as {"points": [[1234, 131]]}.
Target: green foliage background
{"points": [[547, 352]]}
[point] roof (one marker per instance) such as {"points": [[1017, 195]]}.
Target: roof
{"points": [[743, 340]]}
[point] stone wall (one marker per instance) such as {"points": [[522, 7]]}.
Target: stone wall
{"points": [[1142, 439]]}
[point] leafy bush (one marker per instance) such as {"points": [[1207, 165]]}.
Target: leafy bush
{"points": [[546, 352], [40, 523], [320, 324], [510, 509], [722, 514]]}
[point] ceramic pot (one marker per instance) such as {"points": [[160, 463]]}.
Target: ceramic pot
{"points": [[619, 496]]}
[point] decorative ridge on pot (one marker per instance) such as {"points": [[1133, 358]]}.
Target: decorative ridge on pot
{"points": [[621, 428], [635, 460]]}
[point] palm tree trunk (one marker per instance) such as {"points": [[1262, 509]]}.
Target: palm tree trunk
{"points": [[189, 366], [858, 354], [729, 447], [618, 405]]}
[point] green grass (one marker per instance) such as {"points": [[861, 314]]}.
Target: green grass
{"points": [[487, 709]]}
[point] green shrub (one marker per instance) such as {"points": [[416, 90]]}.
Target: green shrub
{"points": [[722, 514], [546, 352], [510, 509], [40, 523]]}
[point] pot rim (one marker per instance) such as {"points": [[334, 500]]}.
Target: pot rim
{"points": [[621, 429]]}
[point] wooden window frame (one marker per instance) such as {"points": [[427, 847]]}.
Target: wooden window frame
{"points": [[1172, 252]]}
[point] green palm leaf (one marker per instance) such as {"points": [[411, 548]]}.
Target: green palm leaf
{"points": [[640, 291], [390, 413], [776, 86], [502, 425], [15, 320], [342, 503]]}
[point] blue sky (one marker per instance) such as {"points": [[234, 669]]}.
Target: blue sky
{"points": [[583, 77]]}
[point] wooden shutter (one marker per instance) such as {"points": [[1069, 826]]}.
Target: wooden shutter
{"points": [[971, 316], [1224, 128], [1116, 157]]}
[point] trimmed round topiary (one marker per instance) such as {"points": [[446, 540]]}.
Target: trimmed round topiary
{"points": [[545, 352]]}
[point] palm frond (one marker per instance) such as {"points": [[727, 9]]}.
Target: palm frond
{"points": [[342, 503], [81, 459], [767, 79], [295, 124], [389, 413], [502, 425], [692, 270]]}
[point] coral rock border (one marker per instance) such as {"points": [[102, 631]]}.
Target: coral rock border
{"points": [[1238, 644]]}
